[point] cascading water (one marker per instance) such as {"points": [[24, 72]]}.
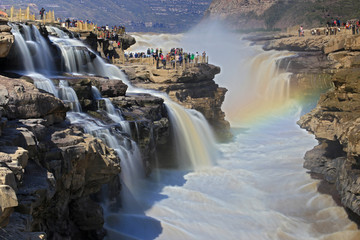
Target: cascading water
{"points": [[195, 141], [33, 49], [44, 83], [22, 49], [68, 95], [78, 59], [111, 111], [192, 133]]}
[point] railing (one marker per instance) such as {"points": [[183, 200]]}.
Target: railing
{"points": [[25, 15]]}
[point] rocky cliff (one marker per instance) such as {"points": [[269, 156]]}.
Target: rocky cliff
{"points": [[51, 171], [6, 38], [192, 87], [335, 123], [49, 168], [315, 59]]}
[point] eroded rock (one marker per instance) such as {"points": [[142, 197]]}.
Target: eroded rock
{"points": [[336, 124], [26, 101], [8, 201]]}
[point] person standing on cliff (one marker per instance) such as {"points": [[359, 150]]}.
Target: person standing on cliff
{"points": [[203, 57], [68, 22], [353, 28], [301, 31], [42, 11]]}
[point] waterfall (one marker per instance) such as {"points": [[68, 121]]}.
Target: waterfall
{"points": [[44, 83], [191, 132], [22, 49], [112, 113], [68, 95], [193, 137], [79, 59], [33, 48], [271, 83], [126, 149], [57, 32], [194, 140]]}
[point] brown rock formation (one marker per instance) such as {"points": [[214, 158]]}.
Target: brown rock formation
{"points": [[109, 88], [48, 169], [21, 99], [6, 38], [326, 44], [149, 123], [192, 87], [335, 122]]}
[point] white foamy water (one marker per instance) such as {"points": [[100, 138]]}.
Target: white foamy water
{"points": [[153, 40], [258, 188]]}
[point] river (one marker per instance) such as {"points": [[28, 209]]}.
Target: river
{"points": [[257, 189]]}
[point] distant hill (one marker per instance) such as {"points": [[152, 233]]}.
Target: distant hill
{"points": [[280, 14], [136, 15]]}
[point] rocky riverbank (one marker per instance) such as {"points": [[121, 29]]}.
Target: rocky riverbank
{"points": [[335, 123], [336, 119]]}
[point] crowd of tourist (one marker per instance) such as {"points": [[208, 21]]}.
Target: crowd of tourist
{"points": [[73, 23], [335, 26], [104, 32], [110, 33], [175, 57]]}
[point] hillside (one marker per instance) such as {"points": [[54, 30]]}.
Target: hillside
{"points": [[136, 15], [280, 14]]}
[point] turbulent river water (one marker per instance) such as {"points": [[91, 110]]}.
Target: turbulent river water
{"points": [[257, 189]]}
